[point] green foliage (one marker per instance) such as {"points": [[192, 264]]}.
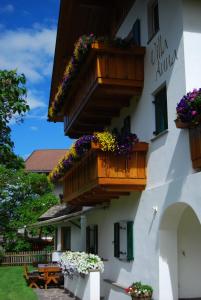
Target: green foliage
{"points": [[23, 198], [13, 105], [13, 285]]}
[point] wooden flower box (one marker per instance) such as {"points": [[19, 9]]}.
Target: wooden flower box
{"points": [[101, 176], [194, 142], [106, 82], [181, 125], [195, 146]]}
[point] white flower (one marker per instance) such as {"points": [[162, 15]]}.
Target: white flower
{"points": [[80, 262]]}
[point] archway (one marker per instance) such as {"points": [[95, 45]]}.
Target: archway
{"points": [[180, 254]]}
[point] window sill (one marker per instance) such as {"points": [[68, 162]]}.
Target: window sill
{"points": [[159, 135], [116, 284]]}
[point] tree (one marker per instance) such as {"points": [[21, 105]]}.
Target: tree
{"points": [[13, 105], [23, 198]]}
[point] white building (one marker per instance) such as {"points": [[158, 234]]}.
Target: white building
{"points": [[165, 217]]}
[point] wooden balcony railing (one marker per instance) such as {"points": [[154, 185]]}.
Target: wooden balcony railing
{"points": [[102, 176], [105, 84]]}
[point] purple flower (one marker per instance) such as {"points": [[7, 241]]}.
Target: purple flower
{"points": [[83, 144], [189, 107]]}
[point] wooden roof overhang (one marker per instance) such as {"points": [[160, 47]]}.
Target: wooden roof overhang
{"points": [[78, 17]]}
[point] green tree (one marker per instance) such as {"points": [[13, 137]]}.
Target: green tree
{"points": [[23, 198], [13, 105]]}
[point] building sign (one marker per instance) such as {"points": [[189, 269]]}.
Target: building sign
{"points": [[161, 58]]}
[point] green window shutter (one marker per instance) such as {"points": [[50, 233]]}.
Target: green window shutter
{"points": [[161, 111], [130, 255], [95, 239], [116, 240], [88, 239]]}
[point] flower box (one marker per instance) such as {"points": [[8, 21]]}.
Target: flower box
{"points": [[195, 146], [189, 109], [106, 80], [101, 176], [142, 298], [194, 141], [83, 287], [182, 125]]}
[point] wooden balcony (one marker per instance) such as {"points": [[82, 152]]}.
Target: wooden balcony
{"points": [[100, 176], [107, 81]]}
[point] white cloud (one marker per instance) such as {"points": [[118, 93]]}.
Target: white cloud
{"points": [[33, 128], [37, 117], [9, 8], [29, 50], [35, 100]]}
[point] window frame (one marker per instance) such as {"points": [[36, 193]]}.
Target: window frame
{"points": [[161, 111], [65, 230], [123, 240], [152, 17], [92, 244]]}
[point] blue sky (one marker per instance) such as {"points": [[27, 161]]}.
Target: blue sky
{"points": [[27, 39]]}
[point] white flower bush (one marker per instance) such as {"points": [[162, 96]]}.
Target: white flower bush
{"points": [[73, 263]]}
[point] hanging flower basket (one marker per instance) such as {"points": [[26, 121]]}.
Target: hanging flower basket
{"points": [[189, 110]]}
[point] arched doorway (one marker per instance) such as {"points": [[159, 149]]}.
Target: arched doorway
{"points": [[180, 254]]}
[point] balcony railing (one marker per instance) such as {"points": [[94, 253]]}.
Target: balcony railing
{"points": [[102, 176], [105, 84]]}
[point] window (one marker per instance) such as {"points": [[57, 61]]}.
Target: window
{"points": [[92, 239], [123, 240], [66, 238], [153, 18], [161, 119]]}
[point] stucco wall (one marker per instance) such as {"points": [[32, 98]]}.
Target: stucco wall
{"points": [[75, 238], [192, 42], [171, 178], [76, 244], [189, 249]]}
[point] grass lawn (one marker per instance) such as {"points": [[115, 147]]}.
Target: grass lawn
{"points": [[13, 286]]}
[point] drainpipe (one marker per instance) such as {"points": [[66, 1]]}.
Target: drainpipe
{"points": [[59, 238], [83, 222]]}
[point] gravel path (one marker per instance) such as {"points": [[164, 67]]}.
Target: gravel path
{"points": [[52, 294]]}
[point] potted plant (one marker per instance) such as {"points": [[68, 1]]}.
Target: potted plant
{"points": [[139, 291]]}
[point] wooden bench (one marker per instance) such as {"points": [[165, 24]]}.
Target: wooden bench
{"points": [[33, 278], [52, 274]]}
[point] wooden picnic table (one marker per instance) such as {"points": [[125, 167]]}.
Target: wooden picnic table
{"points": [[52, 273]]}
